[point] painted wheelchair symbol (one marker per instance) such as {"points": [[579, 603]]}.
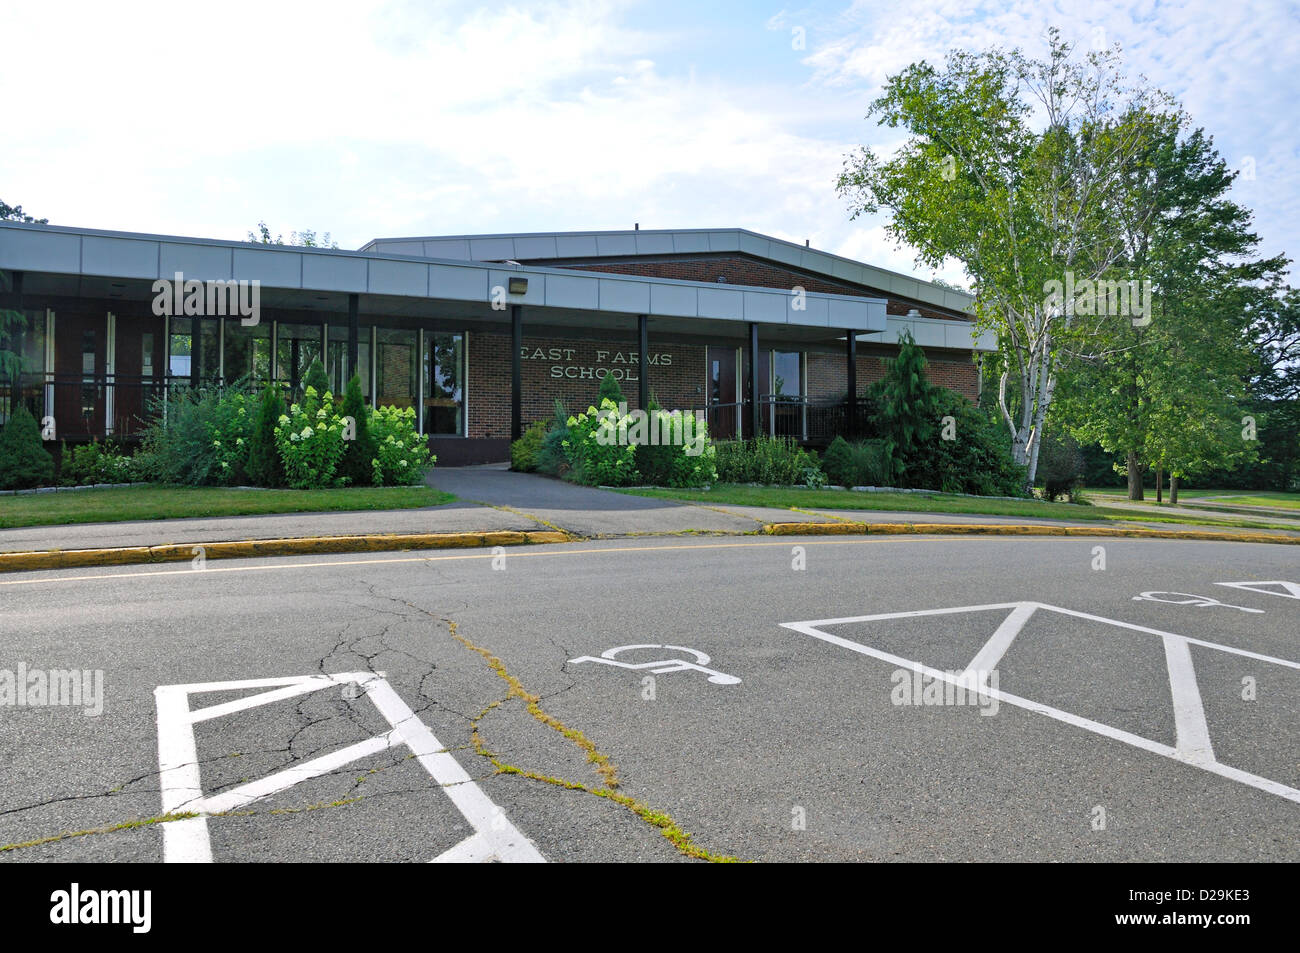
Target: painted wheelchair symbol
{"points": [[1201, 602], [662, 666]]}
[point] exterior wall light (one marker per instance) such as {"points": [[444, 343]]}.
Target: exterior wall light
{"points": [[518, 286]]}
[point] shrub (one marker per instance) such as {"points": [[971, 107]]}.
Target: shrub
{"points": [[310, 440], [230, 428], [837, 463], [609, 390], [551, 456], [357, 468], [872, 464], [597, 459], [683, 455], [401, 454], [524, 451], [316, 378], [906, 403], [1060, 467], [777, 460], [89, 463], [24, 461], [977, 461], [186, 442], [264, 466]]}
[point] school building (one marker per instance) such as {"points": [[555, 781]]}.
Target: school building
{"points": [[481, 334]]}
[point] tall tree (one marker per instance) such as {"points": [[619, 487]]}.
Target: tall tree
{"points": [[306, 238], [1169, 390], [1010, 167]]}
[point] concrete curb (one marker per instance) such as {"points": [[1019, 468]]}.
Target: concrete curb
{"points": [[243, 549], [378, 543], [1015, 529]]}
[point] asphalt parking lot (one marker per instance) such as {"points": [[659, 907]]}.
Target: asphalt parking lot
{"points": [[896, 699]]}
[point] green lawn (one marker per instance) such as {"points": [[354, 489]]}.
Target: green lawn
{"points": [[1219, 498], [174, 502], [798, 498]]}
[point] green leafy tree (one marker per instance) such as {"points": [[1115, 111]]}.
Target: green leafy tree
{"points": [[1011, 167], [306, 238], [264, 465], [906, 402], [359, 453], [610, 390], [316, 377], [24, 461], [1168, 391]]}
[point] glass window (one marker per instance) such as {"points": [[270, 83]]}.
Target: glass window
{"points": [[248, 352], [296, 346], [24, 364], [444, 385], [395, 368], [786, 378], [336, 364], [88, 390], [179, 348]]}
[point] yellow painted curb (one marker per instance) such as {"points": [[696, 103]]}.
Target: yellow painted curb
{"points": [[1016, 529], [244, 549]]}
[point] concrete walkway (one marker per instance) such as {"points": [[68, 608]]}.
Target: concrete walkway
{"points": [[492, 498]]}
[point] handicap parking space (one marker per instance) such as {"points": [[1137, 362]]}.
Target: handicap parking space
{"points": [[419, 709]]}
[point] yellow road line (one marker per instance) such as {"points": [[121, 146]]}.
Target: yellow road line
{"points": [[514, 554]]}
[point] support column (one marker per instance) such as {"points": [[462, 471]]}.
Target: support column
{"points": [[851, 353], [196, 351], [353, 336], [751, 360], [643, 360], [516, 372]]}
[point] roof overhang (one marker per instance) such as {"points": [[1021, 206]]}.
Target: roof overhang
{"points": [[293, 274], [535, 246]]}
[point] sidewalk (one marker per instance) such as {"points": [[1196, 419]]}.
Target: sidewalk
{"points": [[494, 499]]}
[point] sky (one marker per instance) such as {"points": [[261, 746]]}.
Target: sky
{"points": [[384, 118]]}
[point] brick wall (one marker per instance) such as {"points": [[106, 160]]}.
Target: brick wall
{"points": [[570, 369], [828, 376]]}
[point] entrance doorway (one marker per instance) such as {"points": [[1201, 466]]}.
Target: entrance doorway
{"points": [[724, 408]]}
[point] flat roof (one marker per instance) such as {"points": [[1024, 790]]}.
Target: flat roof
{"points": [[532, 246], [98, 253]]}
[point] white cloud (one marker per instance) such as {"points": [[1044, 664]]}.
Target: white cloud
{"points": [[370, 118]]}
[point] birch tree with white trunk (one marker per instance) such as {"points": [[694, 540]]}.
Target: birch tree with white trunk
{"points": [[1012, 166]]}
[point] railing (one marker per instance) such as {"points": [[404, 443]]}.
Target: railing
{"points": [[88, 406], [808, 420]]}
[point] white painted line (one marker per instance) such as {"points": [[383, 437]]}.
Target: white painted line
{"points": [[263, 698], [1191, 734], [1292, 589], [1191, 730], [509, 845], [1142, 628], [475, 849], [495, 836], [296, 773], [987, 658], [186, 841]]}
